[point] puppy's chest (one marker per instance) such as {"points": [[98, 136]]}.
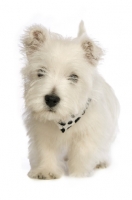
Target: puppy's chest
{"points": [[64, 146]]}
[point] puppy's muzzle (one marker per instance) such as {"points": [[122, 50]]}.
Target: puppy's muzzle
{"points": [[51, 100]]}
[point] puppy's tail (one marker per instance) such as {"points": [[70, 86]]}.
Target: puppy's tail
{"points": [[81, 29]]}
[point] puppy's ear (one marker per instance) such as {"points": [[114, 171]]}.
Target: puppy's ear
{"points": [[81, 29], [93, 52], [34, 37]]}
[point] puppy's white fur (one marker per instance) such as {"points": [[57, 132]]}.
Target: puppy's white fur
{"points": [[86, 145]]}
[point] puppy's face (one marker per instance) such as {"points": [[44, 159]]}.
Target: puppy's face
{"points": [[59, 73]]}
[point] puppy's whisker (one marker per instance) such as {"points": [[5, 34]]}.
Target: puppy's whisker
{"points": [[93, 99]]}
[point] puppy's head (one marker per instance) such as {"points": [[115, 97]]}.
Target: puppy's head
{"points": [[59, 72]]}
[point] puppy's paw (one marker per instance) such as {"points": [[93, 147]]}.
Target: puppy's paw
{"points": [[44, 174], [79, 173], [102, 165]]}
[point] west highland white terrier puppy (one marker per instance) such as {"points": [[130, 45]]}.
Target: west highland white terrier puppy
{"points": [[71, 112]]}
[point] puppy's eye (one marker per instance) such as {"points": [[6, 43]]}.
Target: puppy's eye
{"points": [[73, 77], [41, 72]]}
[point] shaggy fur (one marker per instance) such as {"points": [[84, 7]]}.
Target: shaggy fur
{"points": [[52, 64]]}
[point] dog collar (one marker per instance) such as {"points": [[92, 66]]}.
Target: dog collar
{"points": [[65, 125]]}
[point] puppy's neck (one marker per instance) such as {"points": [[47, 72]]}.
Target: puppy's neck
{"points": [[73, 119]]}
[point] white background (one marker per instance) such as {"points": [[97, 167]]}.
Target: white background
{"points": [[110, 23]]}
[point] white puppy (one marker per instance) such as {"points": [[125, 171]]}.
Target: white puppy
{"points": [[71, 112]]}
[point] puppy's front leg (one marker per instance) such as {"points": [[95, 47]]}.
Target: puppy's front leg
{"points": [[46, 170], [43, 155], [82, 157]]}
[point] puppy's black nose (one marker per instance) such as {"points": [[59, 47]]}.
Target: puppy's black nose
{"points": [[52, 100]]}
